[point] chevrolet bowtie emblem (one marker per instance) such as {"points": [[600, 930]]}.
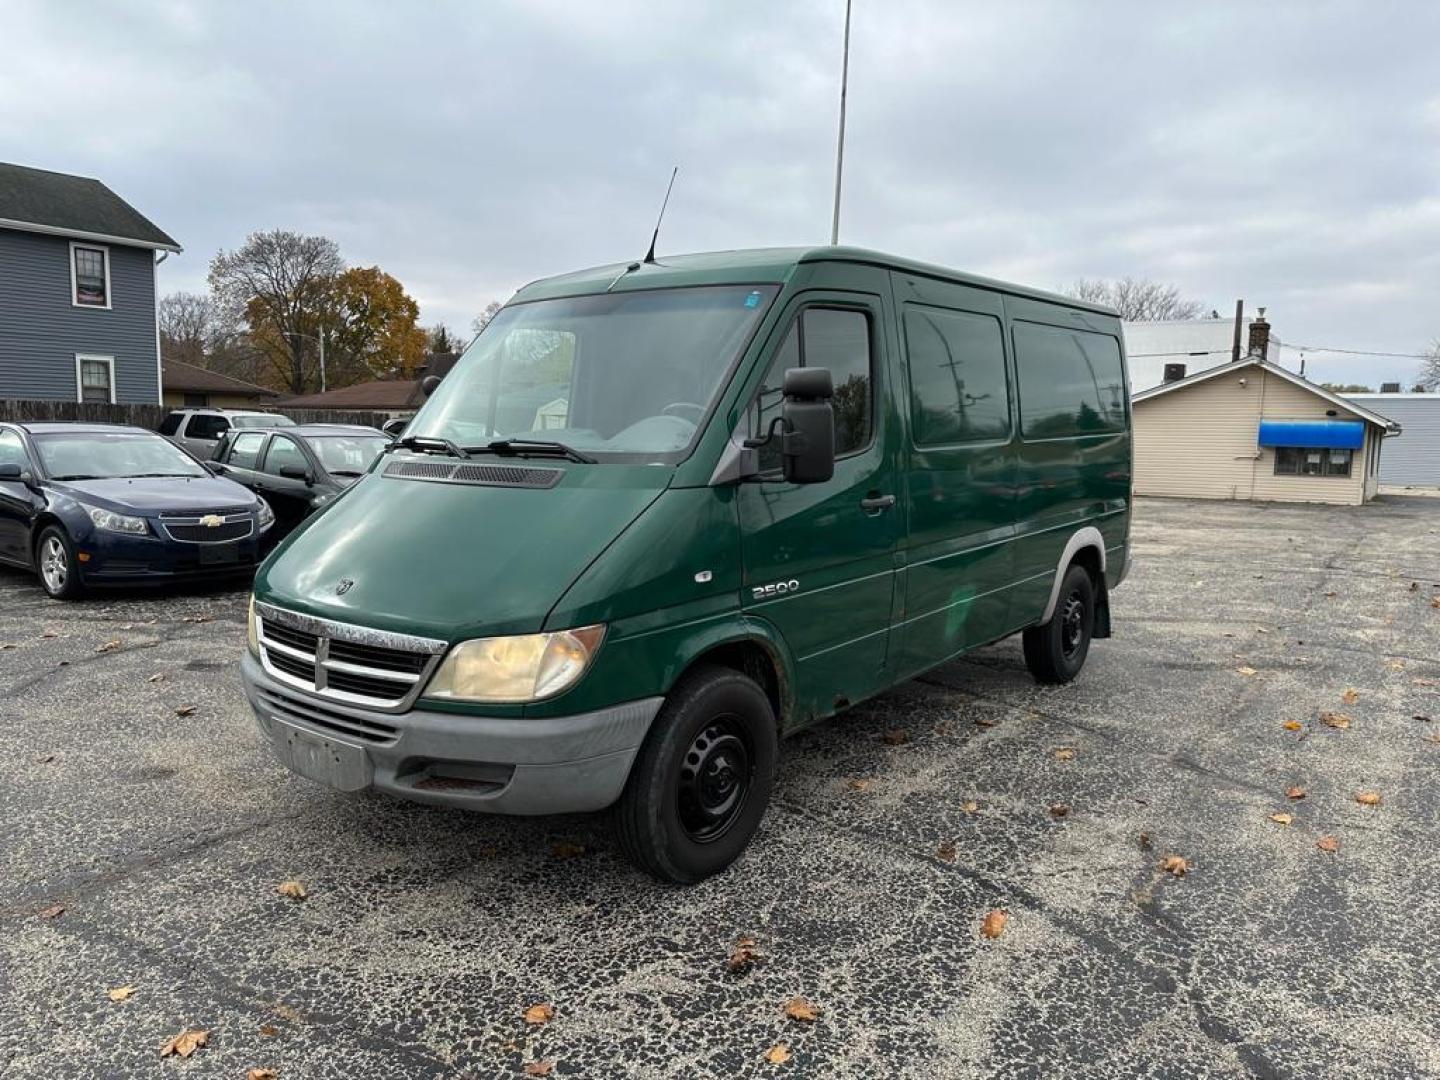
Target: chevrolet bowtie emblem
{"points": [[212, 521]]}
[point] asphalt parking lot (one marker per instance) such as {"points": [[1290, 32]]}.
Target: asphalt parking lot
{"points": [[138, 798]]}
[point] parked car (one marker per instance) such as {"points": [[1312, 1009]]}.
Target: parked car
{"points": [[658, 516], [200, 430], [94, 504], [300, 469]]}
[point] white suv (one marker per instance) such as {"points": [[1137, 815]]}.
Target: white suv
{"points": [[200, 430]]}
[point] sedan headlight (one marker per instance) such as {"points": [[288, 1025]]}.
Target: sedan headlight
{"points": [[516, 669], [252, 635], [117, 523], [264, 516]]}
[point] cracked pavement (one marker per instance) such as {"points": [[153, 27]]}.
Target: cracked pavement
{"points": [[427, 932]]}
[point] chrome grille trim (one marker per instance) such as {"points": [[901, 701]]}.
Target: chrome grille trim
{"points": [[407, 684], [193, 521]]}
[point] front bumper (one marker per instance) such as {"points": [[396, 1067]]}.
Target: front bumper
{"points": [[114, 558], [500, 765]]}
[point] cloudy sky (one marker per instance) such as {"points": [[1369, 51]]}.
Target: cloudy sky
{"points": [[1284, 153]]}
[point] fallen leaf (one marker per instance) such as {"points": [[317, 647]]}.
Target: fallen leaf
{"points": [[539, 1068], [49, 634], [1292, 725], [159, 676], [1414, 586], [1435, 603], [1330, 596], [185, 710], [8, 645], [268, 1031], [196, 618], [287, 1012], [1418, 681], [120, 993], [985, 721], [292, 890], [1295, 792], [1065, 753], [1394, 665], [541, 1013], [1435, 738], [946, 851], [567, 849], [1418, 716], [1283, 819], [261, 1074], [1175, 864], [743, 956], [46, 760], [1350, 696], [895, 737], [993, 925], [1337, 720], [856, 783], [778, 1054], [54, 911], [1262, 630], [1246, 670], [970, 806], [797, 1008], [1328, 843], [186, 1043], [1368, 798], [109, 646], [1059, 809], [1145, 842]]}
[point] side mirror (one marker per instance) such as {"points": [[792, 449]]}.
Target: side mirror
{"points": [[11, 472], [428, 384], [807, 447], [296, 472], [214, 468]]}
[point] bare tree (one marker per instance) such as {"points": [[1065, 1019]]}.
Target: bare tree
{"points": [[1138, 300], [1429, 376], [487, 313], [278, 283], [187, 323]]}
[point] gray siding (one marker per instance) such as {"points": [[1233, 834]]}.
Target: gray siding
{"points": [[1413, 456], [41, 331]]}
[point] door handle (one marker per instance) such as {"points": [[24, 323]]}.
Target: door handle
{"points": [[875, 502]]}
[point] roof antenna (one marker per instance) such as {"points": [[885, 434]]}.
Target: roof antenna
{"points": [[650, 255]]}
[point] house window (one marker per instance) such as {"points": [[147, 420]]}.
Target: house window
{"points": [[1311, 461], [196, 401], [90, 276], [95, 378]]}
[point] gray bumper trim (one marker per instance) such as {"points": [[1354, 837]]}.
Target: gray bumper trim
{"points": [[545, 765]]}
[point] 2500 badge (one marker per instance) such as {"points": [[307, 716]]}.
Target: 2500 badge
{"points": [[771, 591]]}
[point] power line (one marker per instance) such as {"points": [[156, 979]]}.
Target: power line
{"points": [[1297, 348]]}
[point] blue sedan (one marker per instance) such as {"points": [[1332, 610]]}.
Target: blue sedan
{"points": [[92, 504]]}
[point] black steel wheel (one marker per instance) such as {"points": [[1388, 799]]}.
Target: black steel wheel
{"points": [[1055, 651]]}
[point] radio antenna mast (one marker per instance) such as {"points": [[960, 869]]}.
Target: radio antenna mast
{"points": [[650, 255], [840, 147]]}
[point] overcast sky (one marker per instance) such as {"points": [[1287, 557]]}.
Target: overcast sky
{"points": [[1284, 153]]}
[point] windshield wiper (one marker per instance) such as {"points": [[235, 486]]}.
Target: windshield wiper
{"points": [[345, 472], [80, 476], [158, 475], [427, 444], [538, 447]]}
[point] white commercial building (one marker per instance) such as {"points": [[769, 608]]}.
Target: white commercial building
{"points": [[1198, 344]]}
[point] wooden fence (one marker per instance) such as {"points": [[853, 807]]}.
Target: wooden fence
{"points": [[150, 416]]}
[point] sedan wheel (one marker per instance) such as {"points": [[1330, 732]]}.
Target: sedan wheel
{"points": [[59, 569]]}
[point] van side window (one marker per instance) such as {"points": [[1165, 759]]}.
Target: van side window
{"points": [[834, 338], [1071, 382], [958, 391]]}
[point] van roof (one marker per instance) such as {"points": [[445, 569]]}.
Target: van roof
{"points": [[756, 266]]}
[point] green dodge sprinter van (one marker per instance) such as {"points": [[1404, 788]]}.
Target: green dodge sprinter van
{"points": [[662, 514]]}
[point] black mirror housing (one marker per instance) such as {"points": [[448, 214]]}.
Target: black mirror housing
{"points": [[11, 472], [428, 384], [296, 472], [807, 448]]}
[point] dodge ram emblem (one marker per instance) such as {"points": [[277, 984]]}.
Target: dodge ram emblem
{"points": [[344, 585]]}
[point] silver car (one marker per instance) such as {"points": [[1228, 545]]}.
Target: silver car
{"points": [[200, 430]]}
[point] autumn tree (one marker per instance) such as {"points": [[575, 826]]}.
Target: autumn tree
{"points": [[371, 328], [279, 283], [1138, 300]]}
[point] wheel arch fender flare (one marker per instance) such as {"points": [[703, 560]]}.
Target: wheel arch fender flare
{"points": [[1088, 537], [745, 631]]}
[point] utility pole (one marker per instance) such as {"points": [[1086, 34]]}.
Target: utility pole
{"points": [[322, 360], [840, 147]]}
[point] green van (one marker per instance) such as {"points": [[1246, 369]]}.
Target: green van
{"points": [[662, 514]]}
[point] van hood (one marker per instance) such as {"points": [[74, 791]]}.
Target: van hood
{"points": [[454, 561]]}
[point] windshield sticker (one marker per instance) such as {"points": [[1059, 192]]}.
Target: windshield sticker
{"points": [[753, 300]]}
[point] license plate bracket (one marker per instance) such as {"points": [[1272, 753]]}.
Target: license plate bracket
{"points": [[219, 554], [332, 762]]}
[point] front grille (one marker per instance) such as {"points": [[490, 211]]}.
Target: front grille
{"points": [[346, 663], [300, 711], [218, 528], [484, 475]]}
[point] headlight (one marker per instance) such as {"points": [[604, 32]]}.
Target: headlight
{"points": [[516, 669], [120, 523], [252, 634], [264, 517]]}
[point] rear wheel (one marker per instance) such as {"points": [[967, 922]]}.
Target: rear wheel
{"points": [[701, 781], [1055, 651], [57, 565]]}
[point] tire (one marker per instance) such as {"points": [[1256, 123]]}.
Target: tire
{"points": [[60, 576], [1055, 651], [714, 738]]}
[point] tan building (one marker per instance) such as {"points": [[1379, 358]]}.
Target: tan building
{"points": [[187, 385], [1251, 430]]}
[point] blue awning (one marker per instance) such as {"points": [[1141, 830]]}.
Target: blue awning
{"points": [[1315, 434]]}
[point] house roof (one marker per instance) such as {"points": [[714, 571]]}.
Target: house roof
{"points": [[36, 200], [178, 375], [1390, 426], [386, 394]]}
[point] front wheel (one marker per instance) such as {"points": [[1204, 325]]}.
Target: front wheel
{"points": [[701, 781], [1055, 651], [58, 567]]}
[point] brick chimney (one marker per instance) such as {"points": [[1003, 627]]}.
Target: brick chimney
{"points": [[1260, 337]]}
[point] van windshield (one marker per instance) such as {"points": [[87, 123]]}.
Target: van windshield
{"points": [[620, 377]]}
